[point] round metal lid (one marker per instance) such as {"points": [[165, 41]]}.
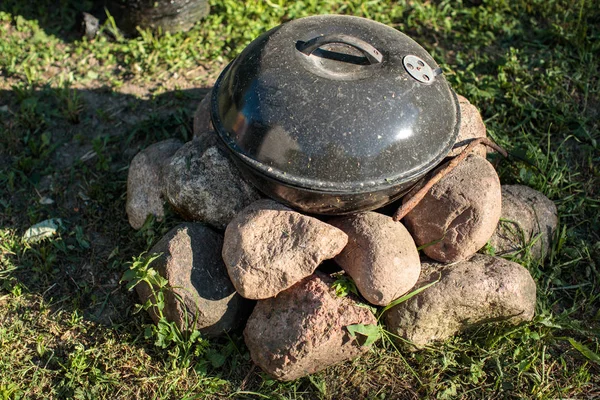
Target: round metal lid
{"points": [[336, 103]]}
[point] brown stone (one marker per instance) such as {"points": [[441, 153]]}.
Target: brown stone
{"points": [[381, 256], [480, 290], [459, 214], [269, 247], [471, 127], [304, 329]]}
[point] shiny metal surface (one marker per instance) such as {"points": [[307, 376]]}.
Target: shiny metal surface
{"points": [[341, 118]]}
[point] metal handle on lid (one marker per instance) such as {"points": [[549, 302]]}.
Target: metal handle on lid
{"points": [[370, 52]]}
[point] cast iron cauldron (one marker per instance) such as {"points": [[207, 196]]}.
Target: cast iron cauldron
{"points": [[334, 114]]}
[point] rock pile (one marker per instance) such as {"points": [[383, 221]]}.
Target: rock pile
{"points": [[239, 249]]}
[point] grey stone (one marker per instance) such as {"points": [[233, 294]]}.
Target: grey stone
{"points": [[269, 247], [471, 127], [201, 290], [90, 25], [528, 221], [204, 133], [459, 214], [203, 185], [202, 120], [304, 329], [481, 290], [146, 182], [381, 256]]}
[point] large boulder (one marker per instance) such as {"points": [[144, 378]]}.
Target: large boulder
{"points": [[304, 329], [200, 288], [482, 289], [459, 214], [146, 182], [269, 247], [203, 185], [381, 256], [528, 222], [471, 127]]}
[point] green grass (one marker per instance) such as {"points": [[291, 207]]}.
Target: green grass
{"points": [[74, 112]]}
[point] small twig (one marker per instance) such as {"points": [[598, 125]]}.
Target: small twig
{"points": [[245, 380], [411, 203]]}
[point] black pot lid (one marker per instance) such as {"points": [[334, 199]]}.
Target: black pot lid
{"points": [[336, 103]]}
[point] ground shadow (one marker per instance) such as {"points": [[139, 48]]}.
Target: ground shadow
{"points": [[65, 155], [56, 166]]}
